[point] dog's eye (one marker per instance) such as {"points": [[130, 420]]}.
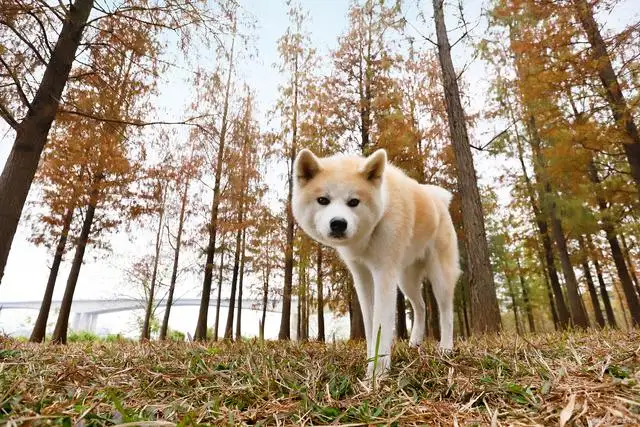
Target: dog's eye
{"points": [[323, 201], [353, 203]]}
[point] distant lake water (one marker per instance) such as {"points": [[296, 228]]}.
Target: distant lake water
{"points": [[20, 323]]}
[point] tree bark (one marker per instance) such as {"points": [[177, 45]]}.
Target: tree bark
{"points": [[220, 277], [613, 91], [285, 321], [265, 301], [176, 256], [357, 323], [401, 316], [616, 251], [627, 257], [240, 283], [320, 284], [485, 313], [590, 285], [604, 294], [514, 305], [228, 331], [40, 328], [31, 133], [146, 326], [525, 297], [62, 324], [559, 310], [201, 325]]}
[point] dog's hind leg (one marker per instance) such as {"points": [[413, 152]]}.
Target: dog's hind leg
{"points": [[443, 286], [411, 286]]}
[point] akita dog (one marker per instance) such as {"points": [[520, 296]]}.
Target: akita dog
{"points": [[389, 230]]}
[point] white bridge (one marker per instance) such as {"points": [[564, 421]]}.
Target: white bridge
{"points": [[86, 312]]}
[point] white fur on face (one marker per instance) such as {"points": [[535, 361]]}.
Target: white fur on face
{"points": [[315, 219]]}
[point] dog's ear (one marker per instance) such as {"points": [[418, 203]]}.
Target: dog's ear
{"points": [[306, 166], [374, 166]]}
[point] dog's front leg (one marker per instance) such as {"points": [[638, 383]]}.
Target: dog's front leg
{"points": [[363, 283], [384, 310]]}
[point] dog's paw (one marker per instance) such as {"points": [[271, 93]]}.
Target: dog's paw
{"points": [[415, 343], [445, 350], [380, 368]]}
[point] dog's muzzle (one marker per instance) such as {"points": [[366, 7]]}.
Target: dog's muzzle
{"points": [[338, 227]]}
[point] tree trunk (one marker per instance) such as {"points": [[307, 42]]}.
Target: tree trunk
{"points": [[578, 315], [240, 283], [559, 310], [401, 316], [265, 301], [62, 324], [220, 277], [146, 326], [514, 305], [201, 325], [525, 298], [617, 102], [616, 250], [319, 278], [228, 331], [590, 285], [285, 321], [40, 328], [604, 294], [357, 323], [627, 257], [31, 133], [176, 255], [485, 313]]}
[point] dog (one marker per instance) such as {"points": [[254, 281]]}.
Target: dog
{"points": [[390, 231]]}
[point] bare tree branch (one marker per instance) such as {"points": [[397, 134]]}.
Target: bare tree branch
{"points": [[8, 117], [21, 94]]}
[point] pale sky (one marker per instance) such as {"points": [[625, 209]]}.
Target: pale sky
{"points": [[27, 268]]}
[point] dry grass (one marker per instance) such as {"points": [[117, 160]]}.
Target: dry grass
{"points": [[582, 379]]}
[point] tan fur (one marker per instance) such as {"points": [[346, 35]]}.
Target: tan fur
{"points": [[400, 233]]}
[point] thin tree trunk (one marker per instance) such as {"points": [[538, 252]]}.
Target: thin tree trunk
{"points": [[401, 316], [620, 299], [220, 277], [485, 313], [616, 250], [526, 299], [40, 328], [559, 310], [627, 257], [176, 255], [201, 325], [265, 301], [62, 324], [578, 315], [228, 331], [604, 294], [320, 285], [616, 99], [590, 285], [146, 326], [240, 285], [285, 321], [357, 323], [31, 133], [514, 305]]}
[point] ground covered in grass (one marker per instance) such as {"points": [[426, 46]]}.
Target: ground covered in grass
{"points": [[590, 378]]}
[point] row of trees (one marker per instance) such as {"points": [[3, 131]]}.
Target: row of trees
{"points": [[563, 91]]}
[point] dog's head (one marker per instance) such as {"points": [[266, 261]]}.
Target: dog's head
{"points": [[338, 200]]}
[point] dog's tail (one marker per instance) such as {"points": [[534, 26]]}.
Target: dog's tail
{"points": [[439, 193]]}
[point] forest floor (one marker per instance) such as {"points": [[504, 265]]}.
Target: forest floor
{"points": [[582, 378]]}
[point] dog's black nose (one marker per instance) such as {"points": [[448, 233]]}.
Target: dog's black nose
{"points": [[338, 226]]}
